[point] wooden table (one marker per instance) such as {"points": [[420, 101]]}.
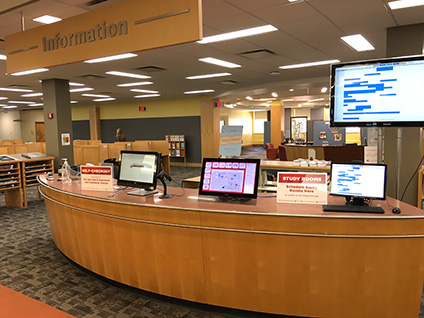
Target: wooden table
{"points": [[263, 256], [191, 183]]}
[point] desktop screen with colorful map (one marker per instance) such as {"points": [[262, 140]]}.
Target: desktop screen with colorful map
{"points": [[230, 176]]}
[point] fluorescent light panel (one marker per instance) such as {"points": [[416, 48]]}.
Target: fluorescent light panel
{"points": [[3, 57], [32, 95], [15, 90], [132, 75], [10, 106], [358, 42], [147, 95], [286, 67], [215, 61], [95, 95], [82, 89], [238, 34], [207, 76], [405, 4], [47, 19], [104, 99], [315, 100], [200, 91], [75, 84], [36, 104], [111, 58], [37, 70], [134, 84], [19, 102], [3, 98], [143, 91]]}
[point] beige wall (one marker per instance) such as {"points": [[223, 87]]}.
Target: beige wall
{"points": [[29, 118], [9, 125], [240, 118]]}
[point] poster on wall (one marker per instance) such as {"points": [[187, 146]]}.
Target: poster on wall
{"points": [[231, 141], [301, 187], [66, 139]]}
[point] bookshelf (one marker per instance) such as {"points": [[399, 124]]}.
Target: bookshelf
{"points": [[10, 181], [176, 146]]}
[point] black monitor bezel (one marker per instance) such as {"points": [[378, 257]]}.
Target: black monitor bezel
{"points": [[336, 66], [359, 164], [136, 184], [254, 195]]}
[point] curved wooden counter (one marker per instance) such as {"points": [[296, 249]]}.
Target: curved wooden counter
{"points": [[267, 257]]}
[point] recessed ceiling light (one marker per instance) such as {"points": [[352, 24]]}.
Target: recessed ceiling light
{"points": [[104, 99], [37, 70], [324, 89], [32, 95], [47, 19], [358, 42], [300, 105], [273, 94], [3, 98], [405, 4], [315, 100], [143, 91], [288, 100], [74, 102], [36, 104], [95, 95], [111, 58], [285, 67], [147, 95], [3, 57], [15, 90], [249, 97], [117, 73], [10, 106], [207, 76], [215, 61], [291, 89], [75, 84], [238, 34], [229, 105], [134, 84], [265, 99], [82, 89], [19, 102], [200, 91]]}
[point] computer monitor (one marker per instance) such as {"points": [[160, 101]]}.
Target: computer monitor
{"points": [[230, 178], [139, 169], [358, 181]]}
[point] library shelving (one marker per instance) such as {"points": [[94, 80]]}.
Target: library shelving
{"points": [[177, 146], [10, 181]]}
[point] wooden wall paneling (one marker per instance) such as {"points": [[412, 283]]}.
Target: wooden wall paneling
{"points": [[210, 116], [90, 154], [95, 130], [4, 150], [115, 149]]}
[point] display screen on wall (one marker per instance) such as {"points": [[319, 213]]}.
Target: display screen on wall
{"points": [[385, 92]]}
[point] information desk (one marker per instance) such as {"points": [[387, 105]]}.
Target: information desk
{"points": [[264, 257]]}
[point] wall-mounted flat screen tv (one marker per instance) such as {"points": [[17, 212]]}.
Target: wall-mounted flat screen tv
{"points": [[378, 93]]}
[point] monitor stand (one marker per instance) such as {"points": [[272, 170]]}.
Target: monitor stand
{"points": [[142, 192]]}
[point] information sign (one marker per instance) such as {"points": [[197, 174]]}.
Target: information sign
{"points": [[301, 187], [96, 178]]}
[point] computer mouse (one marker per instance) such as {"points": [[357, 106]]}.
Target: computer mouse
{"points": [[396, 210]]}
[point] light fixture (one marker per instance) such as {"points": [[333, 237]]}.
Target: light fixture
{"points": [[143, 91], [286, 67], [15, 90], [147, 95], [3, 57], [215, 61], [75, 84], [117, 73], [207, 76], [37, 70], [200, 91], [111, 58], [74, 102], [300, 105], [249, 97], [274, 94], [315, 100], [288, 100], [229, 105], [47, 19], [238, 34], [95, 95], [134, 84], [36, 104], [324, 89], [400, 4], [291, 89], [3, 98], [10, 106], [19, 102], [265, 99], [32, 95], [82, 89], [103, 99], [358, 42]]}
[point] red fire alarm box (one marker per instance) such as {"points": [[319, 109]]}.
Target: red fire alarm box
{"points": [[50, 115]]}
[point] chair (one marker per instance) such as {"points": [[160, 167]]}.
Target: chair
{"points": [[282, 154], [271, 151]]}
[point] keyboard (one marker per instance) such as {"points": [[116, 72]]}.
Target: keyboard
{"points": [[353, 208]]}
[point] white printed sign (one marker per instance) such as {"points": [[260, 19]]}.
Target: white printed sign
{"points": [[301, 187], [96, 178]]}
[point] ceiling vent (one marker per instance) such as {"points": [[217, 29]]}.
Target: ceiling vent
{"points": [[228, 82], [257, 54], [150, 69], [91, 76], [94, 2]]}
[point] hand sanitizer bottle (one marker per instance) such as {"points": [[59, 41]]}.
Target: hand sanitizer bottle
{"points": [[66, 173]]}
